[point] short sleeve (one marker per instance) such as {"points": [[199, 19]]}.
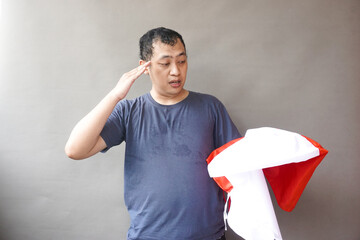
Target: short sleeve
{"points": [[224, 129], [114, 132]]}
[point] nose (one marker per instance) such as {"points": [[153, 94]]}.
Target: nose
{"points": [[175, 71]]}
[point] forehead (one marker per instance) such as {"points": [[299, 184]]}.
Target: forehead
{"points": [[162, 50]]}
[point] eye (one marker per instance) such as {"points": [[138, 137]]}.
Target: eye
{"points": [[164, 64]]}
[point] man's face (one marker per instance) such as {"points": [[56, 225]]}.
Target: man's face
{"points": [[168, 70]]}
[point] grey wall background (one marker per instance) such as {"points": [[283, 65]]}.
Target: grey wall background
{"points": [[292, 64]]}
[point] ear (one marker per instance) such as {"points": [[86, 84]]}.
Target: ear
{"points": [[141, 62]]}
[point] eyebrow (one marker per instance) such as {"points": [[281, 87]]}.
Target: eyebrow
{"points": [[168, 56]]}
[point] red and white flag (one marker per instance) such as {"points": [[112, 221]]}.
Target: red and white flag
{"points": [[286, 159]]}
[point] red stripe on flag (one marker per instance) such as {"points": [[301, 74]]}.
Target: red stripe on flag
{"points": [[223, 182], [289, 181]]}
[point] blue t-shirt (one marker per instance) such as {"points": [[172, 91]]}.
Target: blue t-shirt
{"points": [[168, 191]]}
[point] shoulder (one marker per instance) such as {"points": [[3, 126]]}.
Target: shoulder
{"points": [[206, 99], [126, 107], [129, 103]]}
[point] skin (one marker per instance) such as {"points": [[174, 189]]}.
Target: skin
{"points": [[168, 73], [167, 69]]}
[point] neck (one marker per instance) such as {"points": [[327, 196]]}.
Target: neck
{"points": [[169, 100]]}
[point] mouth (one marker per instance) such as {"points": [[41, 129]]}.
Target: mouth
{"points": [[175, 83]]}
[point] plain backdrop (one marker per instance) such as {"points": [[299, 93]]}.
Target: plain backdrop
{"points": [[289, 64]]}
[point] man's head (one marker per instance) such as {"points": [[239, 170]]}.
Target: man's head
{"points": [[164, 35], [165, 49]]}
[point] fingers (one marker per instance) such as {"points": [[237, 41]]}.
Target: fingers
{"points": [[143, 67], [136, 72], [146, 64], [127, 79]]}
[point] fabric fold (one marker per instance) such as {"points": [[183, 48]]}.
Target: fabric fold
{"points": [[286, 159]]}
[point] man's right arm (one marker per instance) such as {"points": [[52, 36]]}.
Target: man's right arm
{"points": [[85, 139]]}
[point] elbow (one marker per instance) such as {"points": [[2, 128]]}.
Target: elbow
{"points": [[71, 153]]}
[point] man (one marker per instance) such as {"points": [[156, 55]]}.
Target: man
{"points": [[169, 132]]}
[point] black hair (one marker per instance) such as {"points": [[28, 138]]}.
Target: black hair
{"points": [[165, 35]]}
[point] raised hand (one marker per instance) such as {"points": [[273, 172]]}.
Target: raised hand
{"points": [[127, 79], [85, 139]]}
